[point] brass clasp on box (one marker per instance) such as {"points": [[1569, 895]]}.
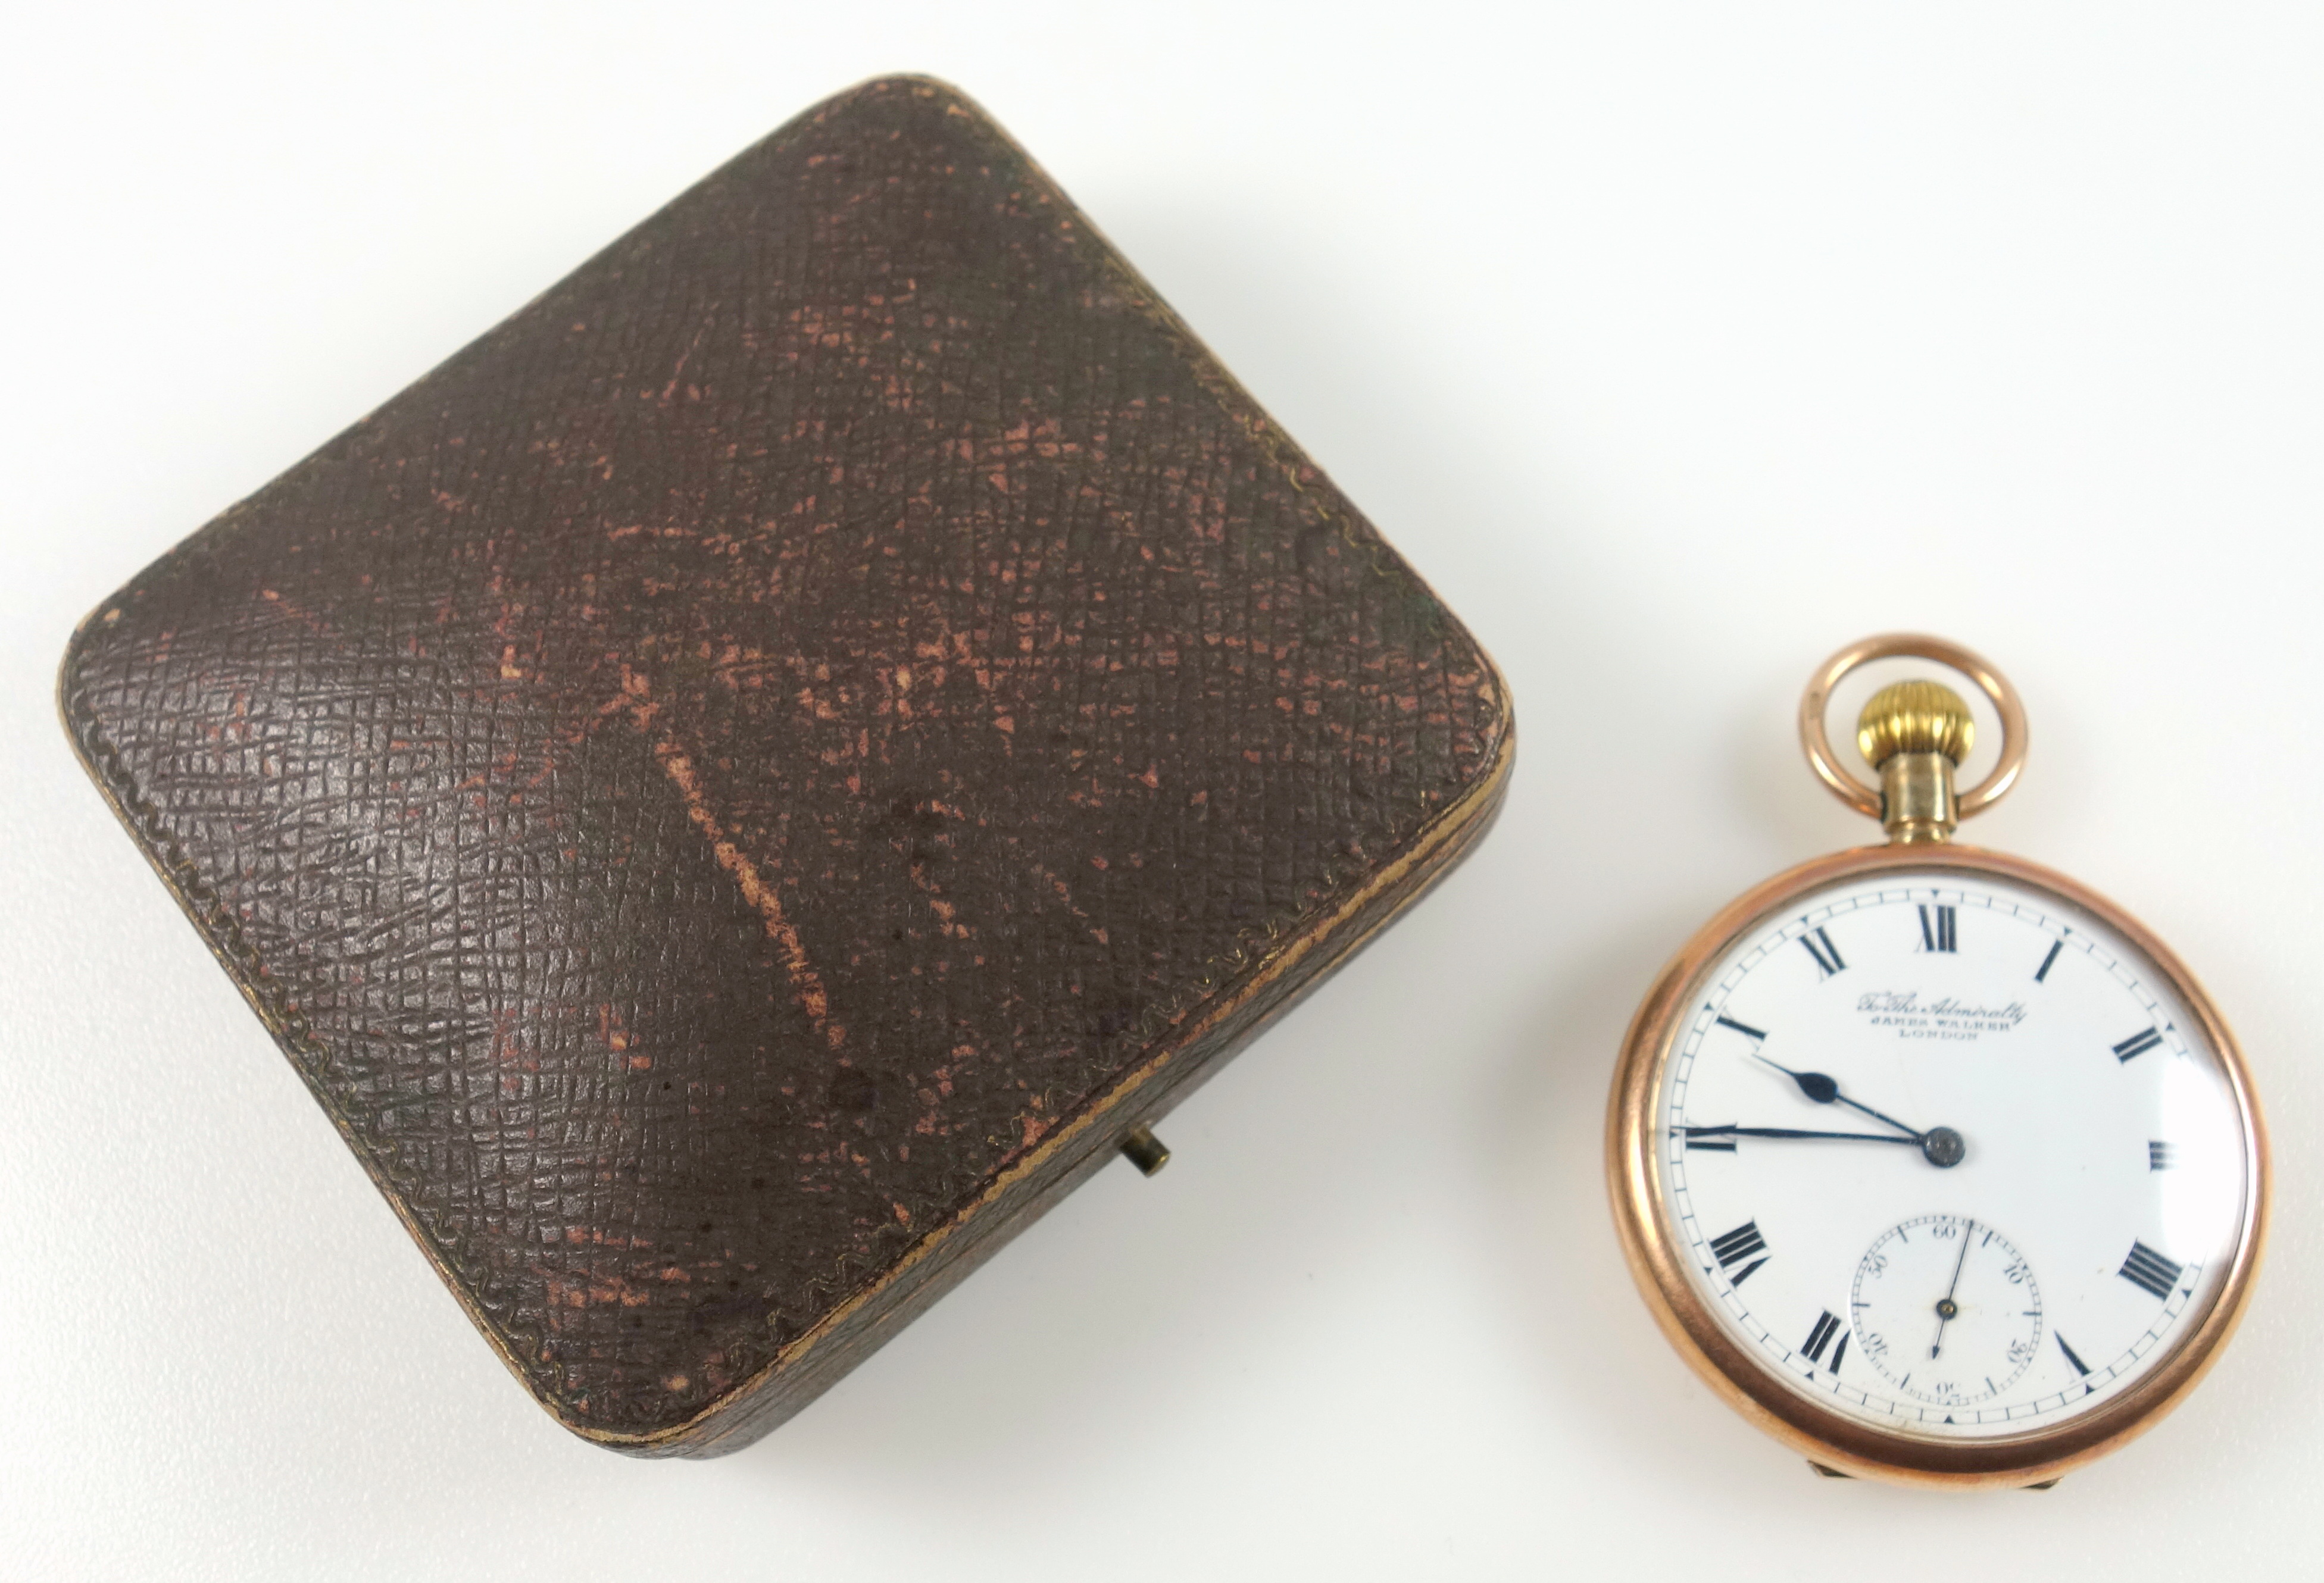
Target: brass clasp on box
{"points": [[1144, 1151], [1915, 735]]}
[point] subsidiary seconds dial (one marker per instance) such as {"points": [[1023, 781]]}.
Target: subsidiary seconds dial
{"points": [[1961, 1287]]}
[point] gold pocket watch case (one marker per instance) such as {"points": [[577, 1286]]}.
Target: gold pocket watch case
{"points": [[1935, 1164]]}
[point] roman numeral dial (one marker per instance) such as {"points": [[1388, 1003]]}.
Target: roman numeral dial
{"points": [[1949, 1155]]}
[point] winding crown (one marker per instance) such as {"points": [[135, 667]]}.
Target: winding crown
{"points": [[1914, 717]]}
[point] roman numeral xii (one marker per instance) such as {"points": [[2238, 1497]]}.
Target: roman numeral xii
{"points": [[1937, 931]]}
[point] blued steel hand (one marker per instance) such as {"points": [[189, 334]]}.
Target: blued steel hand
{"points": [[1947, 1309], [1791, 1132], [1941, 1147], [1823, 1090]]}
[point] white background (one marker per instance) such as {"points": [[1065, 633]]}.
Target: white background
{"points": [[1676, 345]]}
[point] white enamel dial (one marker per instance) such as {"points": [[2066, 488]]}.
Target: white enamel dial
{"points": [[1945, 1154]]}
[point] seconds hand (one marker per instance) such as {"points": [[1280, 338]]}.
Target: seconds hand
{"points": [[1942, 1145], [1946, 1307]]}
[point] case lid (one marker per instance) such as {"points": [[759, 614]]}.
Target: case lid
{"points": [[737, 772]]}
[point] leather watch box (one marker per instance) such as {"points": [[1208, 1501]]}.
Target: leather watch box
{"points": [[760, 773]]}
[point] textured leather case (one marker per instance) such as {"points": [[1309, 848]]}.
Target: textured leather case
{"points": [[745, 783]]}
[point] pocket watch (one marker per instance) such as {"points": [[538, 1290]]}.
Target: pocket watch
{"points": [[1935, 1164]]}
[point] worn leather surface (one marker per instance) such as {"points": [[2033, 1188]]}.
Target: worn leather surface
{"points": [[719, 783]]}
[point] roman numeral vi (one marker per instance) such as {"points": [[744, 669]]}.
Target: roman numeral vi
{"points": [[1820, 1338]]}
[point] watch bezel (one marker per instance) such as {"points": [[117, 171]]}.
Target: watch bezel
{"points": [[1840, 1443]]}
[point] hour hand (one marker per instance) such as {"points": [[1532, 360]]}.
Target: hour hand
{"points": [[1824, 1090]]}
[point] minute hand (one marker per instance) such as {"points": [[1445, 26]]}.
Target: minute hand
{"points": [[1793, 1132]]}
